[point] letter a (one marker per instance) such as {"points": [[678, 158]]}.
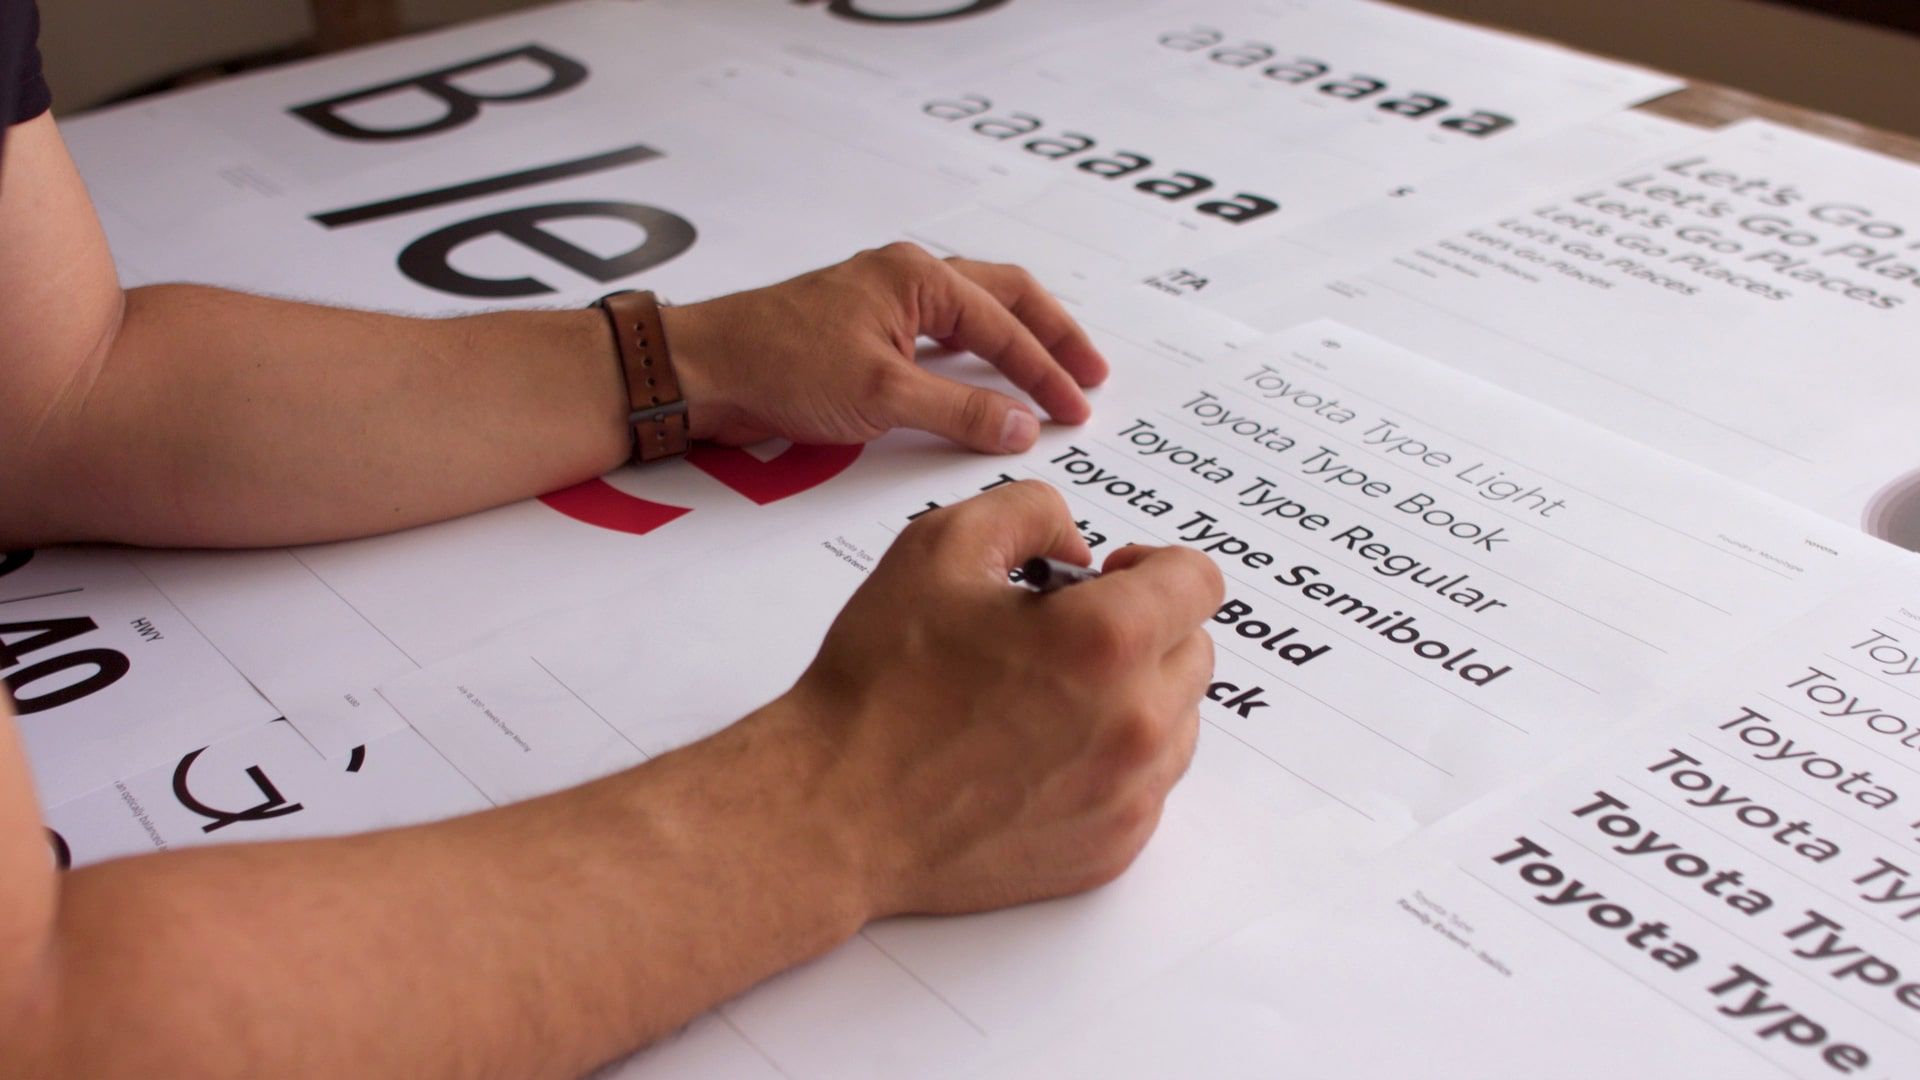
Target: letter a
{"points": [[959, 108], [1115, 167], [1240, 209], [1011, 128], [1480, 124], [1191, 40], [1240, 56], [1414, 105], [1177, 187], [1353, 89], [1055, 147], [1296, 71]]}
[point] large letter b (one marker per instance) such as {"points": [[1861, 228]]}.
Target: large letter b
{"points": [[460, 106]]}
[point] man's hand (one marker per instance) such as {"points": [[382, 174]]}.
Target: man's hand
{"points": [[990, 745], [958, 744], [828, 357], [181, 415]]}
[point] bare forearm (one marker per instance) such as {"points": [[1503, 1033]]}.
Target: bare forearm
{"points": [[220, 419], [537, 940]]}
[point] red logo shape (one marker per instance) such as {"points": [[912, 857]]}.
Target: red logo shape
{"points": [[597, 502], [794, 470]]}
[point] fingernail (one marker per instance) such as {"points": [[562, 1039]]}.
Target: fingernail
{"points": [[1020, 431]]}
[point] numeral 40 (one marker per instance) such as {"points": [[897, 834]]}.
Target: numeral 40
{"points": [[20, 640]]}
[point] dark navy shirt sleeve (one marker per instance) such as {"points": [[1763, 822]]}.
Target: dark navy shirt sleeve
{"points": [[23, 88]]}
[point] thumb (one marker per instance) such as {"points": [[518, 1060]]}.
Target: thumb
{"points": [[979, 419]]}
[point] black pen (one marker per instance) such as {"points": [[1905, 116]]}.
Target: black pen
{"points": [[1044, 575]]}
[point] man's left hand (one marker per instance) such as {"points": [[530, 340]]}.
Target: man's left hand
{"points": [[828, 357]]}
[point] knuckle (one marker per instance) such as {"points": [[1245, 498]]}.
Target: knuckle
{"points": [[1209, 657], [957, 526], [1133, 821], [1103, 873], [977, 507], [1104, 787], [903, 254], [884, 383], [977, 411], [930, 531], [1188, 739], [1137, 738], [1108, 640], [1041, 496], [1211, 582], [1022, 498]]}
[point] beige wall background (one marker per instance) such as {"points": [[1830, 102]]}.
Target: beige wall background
{"points": [[96, 49], [1850, 69]]}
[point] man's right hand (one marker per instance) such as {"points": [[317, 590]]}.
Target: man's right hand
{"points": [[989, 745], [959, 744]]}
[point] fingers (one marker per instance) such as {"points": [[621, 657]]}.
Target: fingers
{"points": [[1183, 677], [1184, 740], [1124, 557], [1045, 316], [1189, 666], [976, 418], [1161, 594], [1187, 672], [959, 312], [994, 532]]}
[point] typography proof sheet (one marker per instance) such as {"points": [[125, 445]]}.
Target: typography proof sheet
{"points": [[1747, 303], [1433, 586], [1726, 891]]}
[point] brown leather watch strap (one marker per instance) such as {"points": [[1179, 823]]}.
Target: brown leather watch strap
{"points": [[659, 411]]}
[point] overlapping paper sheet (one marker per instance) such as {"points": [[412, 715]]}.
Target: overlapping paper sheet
{"points": [[1726, 890], [1748, 303], [106, 676], [1436, 584]]}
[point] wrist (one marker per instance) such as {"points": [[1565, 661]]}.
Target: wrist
{"points": [[606, 384], [693, 341], [827, 817], [769, 807]]}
